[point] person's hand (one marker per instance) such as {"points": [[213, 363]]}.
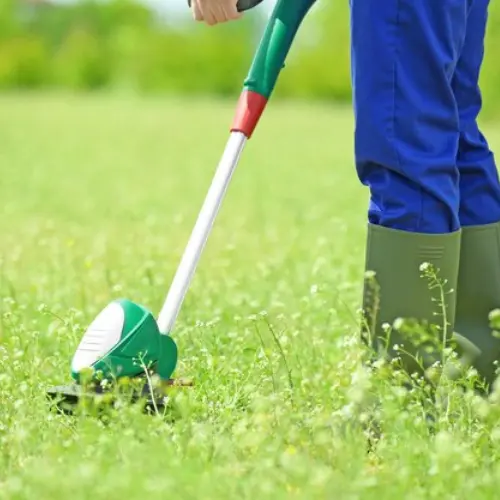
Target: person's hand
{"points": [[214, 11]]}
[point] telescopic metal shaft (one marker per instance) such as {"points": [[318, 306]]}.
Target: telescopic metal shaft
{"points": [[201, 232]]}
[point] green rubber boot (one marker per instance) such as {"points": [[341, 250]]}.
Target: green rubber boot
{"points": [[479, 294], [398, 290]]}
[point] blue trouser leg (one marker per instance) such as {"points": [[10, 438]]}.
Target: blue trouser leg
{"points": [[478, 287], [479, 183], [404, 55]]}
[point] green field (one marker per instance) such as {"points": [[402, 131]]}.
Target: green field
{"points": [[98, 197]]}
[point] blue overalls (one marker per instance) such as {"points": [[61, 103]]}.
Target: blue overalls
{"points": [[433, 183], [418, 146]]}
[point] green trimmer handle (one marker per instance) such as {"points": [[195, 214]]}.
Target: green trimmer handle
{"points": [[268, 61], [275, 45]]}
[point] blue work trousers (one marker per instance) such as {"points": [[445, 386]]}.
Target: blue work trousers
{"points": [[418, 147]]}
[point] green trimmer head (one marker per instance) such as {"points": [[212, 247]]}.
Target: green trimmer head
{"points": [[125, 342], [122, 341]]}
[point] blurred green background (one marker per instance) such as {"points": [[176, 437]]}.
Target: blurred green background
{"points": [[127, 45]]}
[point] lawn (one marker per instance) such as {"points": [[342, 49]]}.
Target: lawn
{"points": [[98, 197]]}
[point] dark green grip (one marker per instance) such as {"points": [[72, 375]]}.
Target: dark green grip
{"points": [[275, 45]]}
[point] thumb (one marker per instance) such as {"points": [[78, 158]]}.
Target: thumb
{"points": [[197, 14]]}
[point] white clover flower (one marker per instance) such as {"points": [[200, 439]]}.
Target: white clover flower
{"points": [[424, 266], [42, 308], [398, 323], [495, 314]]}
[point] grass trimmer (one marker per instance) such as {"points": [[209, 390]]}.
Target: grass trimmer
{"points": [[125, 341]]}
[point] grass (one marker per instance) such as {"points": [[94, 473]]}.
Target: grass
{"points": [[98, 197]]}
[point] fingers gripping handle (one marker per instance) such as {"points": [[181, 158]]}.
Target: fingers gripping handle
{"points": [[268, 62], [242, 5]]}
